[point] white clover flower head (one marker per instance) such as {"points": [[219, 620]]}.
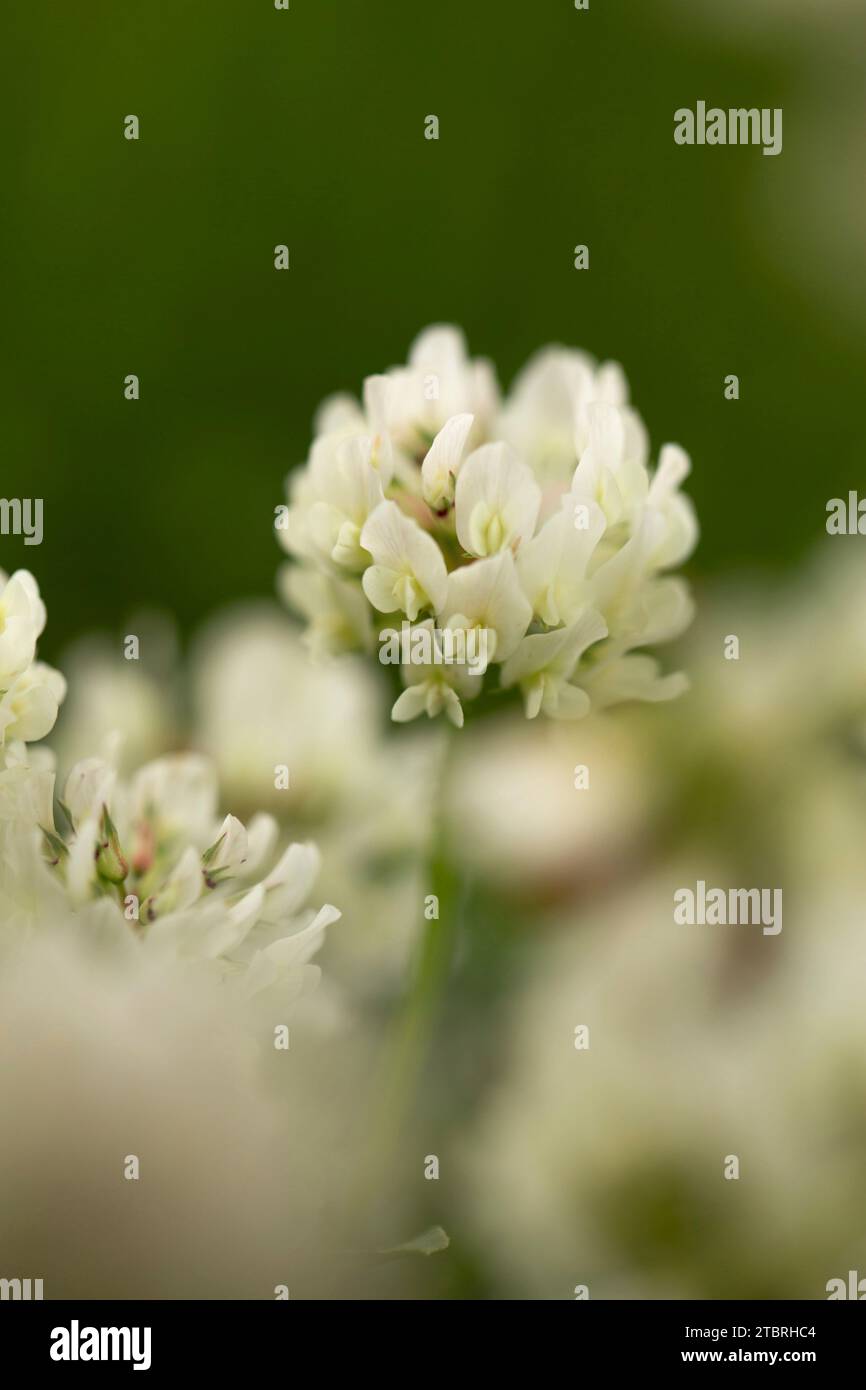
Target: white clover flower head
{"points": [[145, 857], [152, 851], [536, 519]]}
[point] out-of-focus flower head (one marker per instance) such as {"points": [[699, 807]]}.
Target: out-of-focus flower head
{"points": [[641, 1055], [150, 857], [550, 812], [110, 1050], [260, 704], [128, 710], [527, 537], [146, 856], [805, 807]]}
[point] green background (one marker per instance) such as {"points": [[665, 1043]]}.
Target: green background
{"points": [[306, 127]]}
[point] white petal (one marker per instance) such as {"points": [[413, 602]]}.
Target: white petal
{"points": [[262, 834], [288, 955], [611, 385], [674, 467], [290, 882], [553, 565], [682, 533], [80, 870], [339, 414], [568, 702], [539, 415], [615, 584], [558, 652], [453, 707], [336, 610], [442, 462], [441, 347], [488, 594], [229, 849], [631, 678], [497, 500], [28, 710], [181, 791], [182, 888], [410, 704], [667, 609], [409, 572], [682, 526], [89, 787]]}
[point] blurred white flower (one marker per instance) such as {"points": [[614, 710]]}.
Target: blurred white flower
{"points": [[606, 1163], [147, 944], [259, 704], [747, 714], [408, 500], [516, 815], [149, 860], [298, 739], [337, 612], [128, 711], [109, 1050], [640, 1055], [145, 857]]}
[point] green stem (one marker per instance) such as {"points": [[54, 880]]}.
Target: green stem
{"points": [[432, 968]]}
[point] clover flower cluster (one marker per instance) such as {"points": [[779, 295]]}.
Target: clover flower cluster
{"points": [[534, 520], [146, 857]]}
